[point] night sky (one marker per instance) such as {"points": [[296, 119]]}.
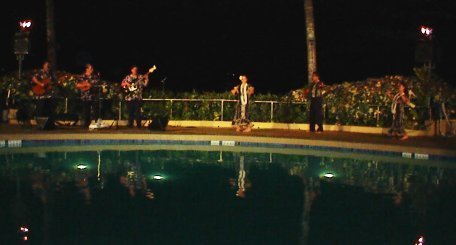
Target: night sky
{"points": [[204, 44]]}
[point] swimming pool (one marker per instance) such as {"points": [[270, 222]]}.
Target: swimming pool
{"points": [[203, 194]]}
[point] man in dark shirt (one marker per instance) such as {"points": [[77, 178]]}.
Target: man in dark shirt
{"points": [[88, 83], [42, 86], [133, 85], [315, 93]]}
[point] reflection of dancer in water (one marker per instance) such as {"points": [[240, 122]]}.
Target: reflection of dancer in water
{"points": [[243, 183], [241, 179]]}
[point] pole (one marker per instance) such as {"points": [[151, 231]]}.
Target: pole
{"points": [[171, 109], [120, 112], [272, 110], [100, 104], [20, 58], [310, 34], [50, 33], [66, 105], [221, 110]]}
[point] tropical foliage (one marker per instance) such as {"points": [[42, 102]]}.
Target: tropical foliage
{"points": [[361, 103]]}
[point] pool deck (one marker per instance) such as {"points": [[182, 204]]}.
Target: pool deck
{"points": [[436, 145]]}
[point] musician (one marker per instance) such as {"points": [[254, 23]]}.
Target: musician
{"points": [[315, 93], [241, 117], [42, 86], [133, 85], [88, 83]]}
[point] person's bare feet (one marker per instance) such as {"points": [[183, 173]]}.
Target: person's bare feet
{"points": [[247, 129], [404, 137]]}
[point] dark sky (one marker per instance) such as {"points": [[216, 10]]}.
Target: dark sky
{"points": [[200, 44]]}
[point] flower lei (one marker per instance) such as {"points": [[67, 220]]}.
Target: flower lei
{"points": [[244, 94], [395, 101]]}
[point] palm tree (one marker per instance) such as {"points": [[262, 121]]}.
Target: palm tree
{"points": [[310, 30], [50, 32]]}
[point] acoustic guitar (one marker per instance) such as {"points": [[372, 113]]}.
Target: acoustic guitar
{"points": [[129, 88], [84, 86], [40, 89]]}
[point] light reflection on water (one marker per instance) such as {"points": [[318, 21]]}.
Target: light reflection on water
{"points": [[215, 197]]}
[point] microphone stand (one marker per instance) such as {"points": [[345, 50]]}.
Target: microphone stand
{"points": [[98, 124], [163, 85], [99, 107]]}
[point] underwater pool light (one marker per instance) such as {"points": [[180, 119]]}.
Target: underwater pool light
{"points": [[81, 166], [157, 177], [328, 175]]}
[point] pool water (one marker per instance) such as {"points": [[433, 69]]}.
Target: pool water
{"points": [[222, 197]]}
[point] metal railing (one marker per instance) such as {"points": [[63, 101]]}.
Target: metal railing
{"points": [[378, 112], [222, 102]]}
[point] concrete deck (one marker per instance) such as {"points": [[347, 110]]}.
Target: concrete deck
{"points": [[445, 146]]}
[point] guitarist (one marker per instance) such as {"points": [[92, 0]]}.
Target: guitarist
{"points": [[86, 83], [133, 85], [42, 82]]}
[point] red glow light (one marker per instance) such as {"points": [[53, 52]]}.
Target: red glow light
{"points": [[420, 241], [24, 229], [425, 30], [25, 24]]}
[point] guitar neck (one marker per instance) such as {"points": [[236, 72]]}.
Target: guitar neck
{"points": [[151, 70]]}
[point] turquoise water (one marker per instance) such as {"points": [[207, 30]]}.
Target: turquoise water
{"points": [[138, 195]]}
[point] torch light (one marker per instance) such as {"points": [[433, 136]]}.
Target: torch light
{"points": [[426, 31], [25, 25]]}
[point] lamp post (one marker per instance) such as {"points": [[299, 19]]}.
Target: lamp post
{"points": [[426, 31], [424, 49], [424, 55], [21, 48]]}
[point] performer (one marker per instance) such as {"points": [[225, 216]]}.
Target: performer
{"points": [[315, 94], [241, 117], [397, 109], [42, 87], [133, 85], [88, 83]]}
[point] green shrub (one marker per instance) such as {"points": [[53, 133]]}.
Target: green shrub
{"points": [[361, 103]]}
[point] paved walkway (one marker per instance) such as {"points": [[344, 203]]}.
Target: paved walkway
{"points": [[447, 144]]}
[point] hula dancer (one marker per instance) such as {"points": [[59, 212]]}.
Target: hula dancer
{"points": [[241, 117], [397, 109]]}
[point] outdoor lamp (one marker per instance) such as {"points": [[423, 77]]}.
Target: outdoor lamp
{"points": [[25, 25], [426, 31]]}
